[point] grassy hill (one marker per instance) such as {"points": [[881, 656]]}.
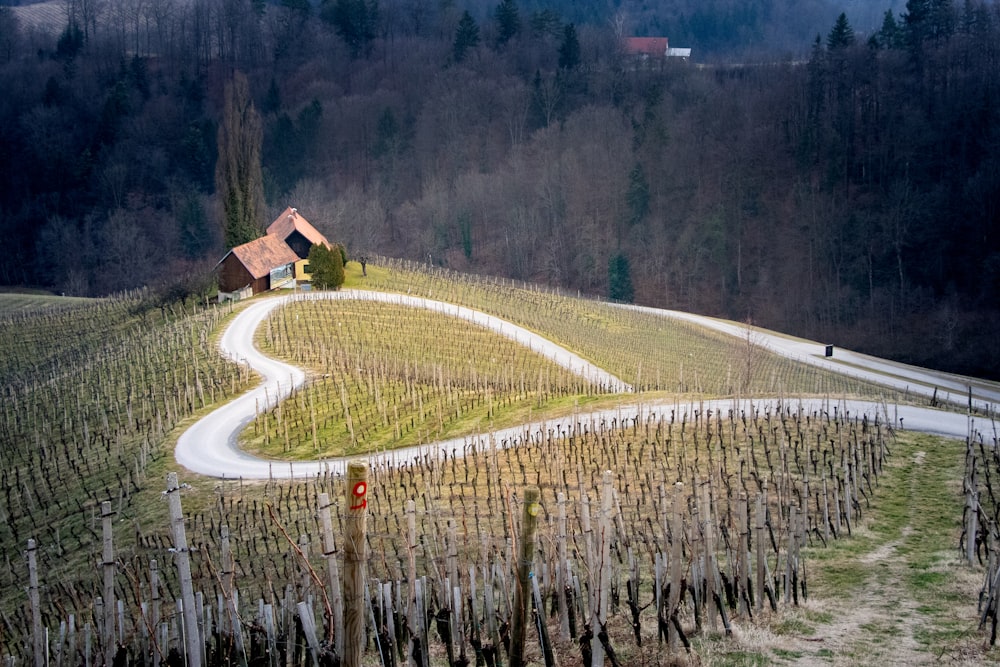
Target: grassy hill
{"points": [[96, 393]]}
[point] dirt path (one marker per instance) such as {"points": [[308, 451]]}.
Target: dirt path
{"points": [[895, 593]]}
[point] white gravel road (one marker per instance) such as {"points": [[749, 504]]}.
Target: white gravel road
{"points": [[210, 446]]}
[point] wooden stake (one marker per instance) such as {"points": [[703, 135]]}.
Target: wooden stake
{"points": [[108, 565], [355, 544], [333, 573], [182, 558], [522, 591], [38, 639]]}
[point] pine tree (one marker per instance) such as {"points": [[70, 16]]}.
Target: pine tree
{"points": [[466, 37], [569, 50], [508, 20], [620, 279], [841, 36], [355, 21], [889, 33], [239, 181], [637, 196]]}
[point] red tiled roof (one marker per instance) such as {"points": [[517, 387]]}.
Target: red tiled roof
{"points": [[648, 46], [290, 221], [261, 255]]}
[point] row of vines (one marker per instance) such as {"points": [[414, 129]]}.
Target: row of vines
{"points": [[650, 352], [89, 396], [652, 530]]}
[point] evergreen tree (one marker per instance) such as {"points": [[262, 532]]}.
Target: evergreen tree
{"points": [[326, 266], [637, 196], [943, 18], [916, 21], [239, 181], [889, 33], [841, 36], [620, 279], [569, 50], [354, 20], [466, 37], [508, 20], [545, 23]]}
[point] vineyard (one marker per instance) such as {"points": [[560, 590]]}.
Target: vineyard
{"points": [[673, 529]]}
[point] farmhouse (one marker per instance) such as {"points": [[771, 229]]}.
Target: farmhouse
{"points": [[297, 232], [645, 49], [277, 259]]}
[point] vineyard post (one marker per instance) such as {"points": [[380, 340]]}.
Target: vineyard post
{"points": [[354, 562], [108, 565], [742, 569], [330, 553], [182, 558], [154, 594], [521, 591], [599, 613], [676, 554], [37, 637], [971, 509], [562, 570], [759, 546], [231, 596], [411, 562]]}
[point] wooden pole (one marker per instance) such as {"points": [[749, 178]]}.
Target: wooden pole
{"points": [[354, 562], [411, 563], [333, 573], [108, 564], [599, 614], [562, 570], [231, 596], [38, 639], [154, 594], [182, 558], [522, 592]]}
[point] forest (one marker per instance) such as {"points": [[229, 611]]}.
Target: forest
{"points": [[830, 175]]}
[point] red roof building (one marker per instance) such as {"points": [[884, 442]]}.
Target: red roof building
{"points": [[297, 232], [261, 264], [646, 47]]}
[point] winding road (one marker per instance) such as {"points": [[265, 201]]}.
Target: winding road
{"points": [[211, 447]]}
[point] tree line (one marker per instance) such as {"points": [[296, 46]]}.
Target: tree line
{"points": [[847, 191]]}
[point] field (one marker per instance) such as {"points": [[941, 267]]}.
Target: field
{"points": [[736, 536]]}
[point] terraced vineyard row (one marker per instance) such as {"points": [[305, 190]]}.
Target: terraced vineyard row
{"points": [[650, 352], [89, 398], [652, 531], [388, 376]]}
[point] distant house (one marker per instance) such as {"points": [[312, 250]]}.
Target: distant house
{"points": [[645, 49], [276, 259]]}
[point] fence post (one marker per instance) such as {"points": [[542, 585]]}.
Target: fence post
{"points": [[182, 558], [354, 562], [38, 639], [108, 563], [336, 628], [522, 592], [231, 596]]}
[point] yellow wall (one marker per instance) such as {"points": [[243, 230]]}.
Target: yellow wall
{"points": [[300, 271]]}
